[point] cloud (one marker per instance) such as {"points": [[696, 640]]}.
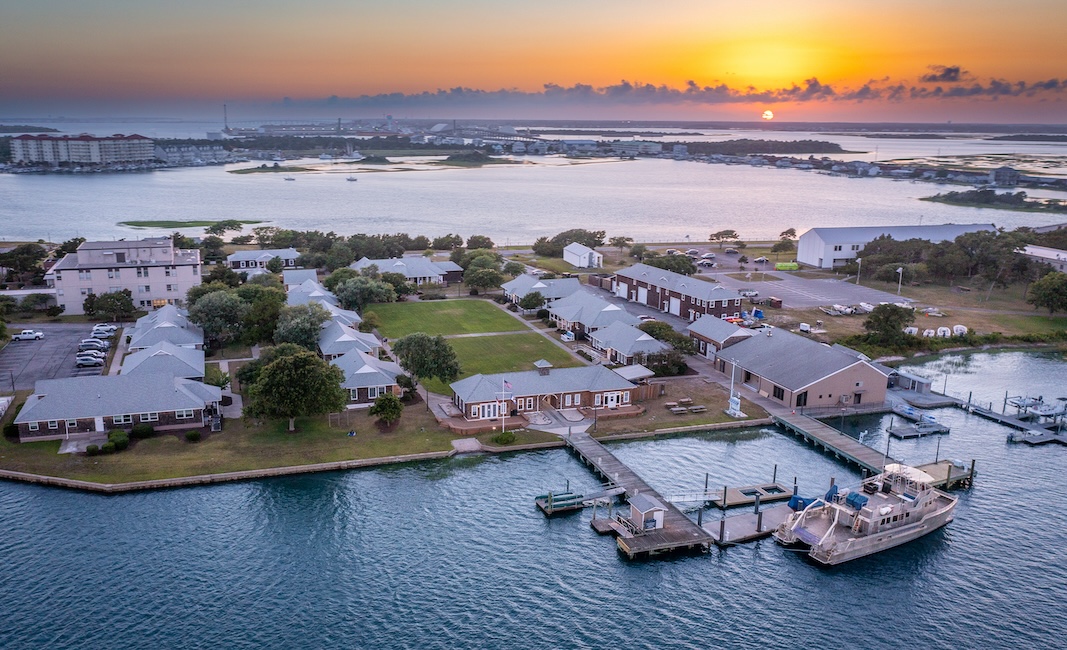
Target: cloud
{"points": [[945, 74]]}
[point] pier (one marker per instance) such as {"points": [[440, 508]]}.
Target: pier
{"points": [[835, 442], [678, 533]]}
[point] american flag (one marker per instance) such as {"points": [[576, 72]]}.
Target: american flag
{"points": [[507, 384]]}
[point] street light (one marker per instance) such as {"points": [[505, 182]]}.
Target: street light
{"points": [[900, 278], [859, 267]]}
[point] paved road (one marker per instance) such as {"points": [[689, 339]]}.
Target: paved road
{"points": [[802, 293], [25, 362]]}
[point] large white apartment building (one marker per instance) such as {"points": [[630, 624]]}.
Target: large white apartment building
{"points": [[155, 272], [82, 149]]}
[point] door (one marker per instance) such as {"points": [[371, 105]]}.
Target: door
{"points": [[620, 290], [611, 400], [857, 398], [676, 306], [99, 423], [642, 295]]}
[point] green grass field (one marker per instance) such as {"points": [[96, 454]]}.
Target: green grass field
{"points": [[507, 353], [443, 317], [177, 224]]}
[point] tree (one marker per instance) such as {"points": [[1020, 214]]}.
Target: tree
{"points": [[788, 233], [514, 268], [199, 291], [723, 236], [34, 302], [399, 282], [446, 243], [479, 241], [69, 246], [23, 258], [554, 247], [115, 305], [301, 325], [181, 241], [339, 276], [297, 385], [887, 322], [248, 374], [212, 248], [220, 228], [371, 321], [214, 376], [275, 265], [639, 251], [224, 274], [359, 292], [532, 300], [664, 332], [89, 305], [426, 356], [387, 407], [1049, 292], [677, 263], [483, 279], [621, 242], [783, 246], [221, 314]]}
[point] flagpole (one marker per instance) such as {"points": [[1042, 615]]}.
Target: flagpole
{"points": [[503, 406]]}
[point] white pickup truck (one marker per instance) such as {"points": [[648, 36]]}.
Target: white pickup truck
{"points": [[27, 335]]}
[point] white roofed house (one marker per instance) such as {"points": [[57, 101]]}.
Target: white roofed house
{"points": [[551, 290], [674, 293], [78, 407], [582, 257], [310, 291], [829, 248], [367, 377], [257, 259], [625, 344], [583, 313], [336, 339], [798, 372]]}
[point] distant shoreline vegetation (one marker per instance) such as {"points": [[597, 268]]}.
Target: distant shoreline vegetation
{"points": [[25, 128], [1031, 137], [474, 159], [1006, 201], [178, 224], [746, 147], [267, 169]]}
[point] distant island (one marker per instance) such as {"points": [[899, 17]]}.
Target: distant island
{"points": [[1031, 137], [612, 134], [265, 168], [474, 159], [178, 224], [1005, 201], [746, 147], [25, 128], [903, 136]]}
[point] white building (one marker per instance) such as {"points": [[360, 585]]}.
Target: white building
{"points": [[582, 257], [1051, 256], [155, 272], [828, 248], [635, 147], [82, 149]]}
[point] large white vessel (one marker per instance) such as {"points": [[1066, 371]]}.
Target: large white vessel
{"points": [[888, 509]]}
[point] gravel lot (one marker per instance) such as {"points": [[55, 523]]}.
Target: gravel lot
{"points": [[25, 362]]}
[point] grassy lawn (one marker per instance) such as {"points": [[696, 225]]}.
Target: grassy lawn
{"points": [[713, 396], [235, 351], [508, 353], [240, 446], [443, 317], [756, 275]]}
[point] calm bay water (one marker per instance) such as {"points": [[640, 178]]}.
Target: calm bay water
{"points": [[453, 554]]}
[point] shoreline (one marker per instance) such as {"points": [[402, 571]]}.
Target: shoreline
{"points": [[314, 468]]}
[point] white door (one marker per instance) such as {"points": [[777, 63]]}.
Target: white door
{"points": [[99, 422], [620, 290], [676, 306], [611, 400], [642, 295]]}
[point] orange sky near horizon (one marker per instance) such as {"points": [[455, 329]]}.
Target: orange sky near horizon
{"points": [[66, 53]]}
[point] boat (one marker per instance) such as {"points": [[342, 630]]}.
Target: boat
{"points": [[889, 509], [290, 178], [352, 178]]}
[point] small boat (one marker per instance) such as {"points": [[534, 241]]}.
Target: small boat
{"points": [[290, 178], [893, 508], [352, 178]]}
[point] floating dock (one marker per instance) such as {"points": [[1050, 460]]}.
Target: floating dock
{"points": [[565, 501], [947, 474], [747, 527], [920, 429], [679, 533], [739, 496]]}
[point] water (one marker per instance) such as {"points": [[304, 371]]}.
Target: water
{"points": [[453, 554]]}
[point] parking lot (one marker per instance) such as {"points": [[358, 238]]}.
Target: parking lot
{"points": [[803, 293], [25, 362]]}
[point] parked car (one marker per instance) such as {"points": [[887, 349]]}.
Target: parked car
{"points": [[88, 362], [94, 344], [692, 252], [748, 293], [101, 334], [105, 326], [708, 256], [27, 335], [645, 318], [99, 354], [707, 264], [672, 251], [760, 260], [731, 251]]}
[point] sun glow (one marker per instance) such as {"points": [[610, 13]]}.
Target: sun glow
{"points": [[768, 115]]}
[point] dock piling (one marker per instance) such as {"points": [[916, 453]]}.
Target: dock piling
{"points": [[722, 528], [722, 504], [759, 522], [757, 504], [700, 517], [774, 476]]}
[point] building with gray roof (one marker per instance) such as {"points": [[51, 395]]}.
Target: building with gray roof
{"points": [[367, 377], [551, 290], [418, 270], [82, 406], [625, 344], [582, 257], [828, 248], [713, 334], [799, 372], [673, 293], [1054, 257], [485, 397], [166, 358], [336, 339], [242, 260], [168, 324], [294, 277], [581, 312]]}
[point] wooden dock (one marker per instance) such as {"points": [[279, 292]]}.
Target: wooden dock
{"points": [[946, 475], [833, 441], [679, 533], [918, 430], [739, 496], [564, 501], [747, 527]]}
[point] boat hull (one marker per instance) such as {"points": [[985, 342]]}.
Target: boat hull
{"points": [[855, 548]]}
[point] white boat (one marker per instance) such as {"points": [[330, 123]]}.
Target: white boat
{"points": [[352, 178], [893, 508], [290, 178]]}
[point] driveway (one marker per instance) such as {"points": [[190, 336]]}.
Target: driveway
{"points": [[804, 293], [25, 362]]}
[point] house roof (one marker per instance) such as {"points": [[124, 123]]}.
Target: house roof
{"points": [[628, 340], [645, 503], [933, 233], [264, 255], [682, 284], [297, 276], [634, 372], [410, 267], [167, 323], [309, 291], [343, 316], [531, 383], [336, 338], [167, 358], [789, 360], [577, 249], [1044, 252], [362, 370], [97, 396], [717, 329], [591, 311], [550, 289]]}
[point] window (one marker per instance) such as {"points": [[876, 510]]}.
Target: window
{"points": [[779, 394], [33, 426], [578, 399], [144, 288], [169, 271], [529, 403], [85, 274], [142, 271], [72, 424], [567, 399], [373, 392], [802, 399], [837, 248], [85, 292], [122, 419], [737, 302], [149, 417], [596, 399], [196, 270], [53, 424], [183, 414], [353, 394], [172, 287], [855, 247], [859, 384], [59, 277], [626, 397], [59, 292], [112, 274]]}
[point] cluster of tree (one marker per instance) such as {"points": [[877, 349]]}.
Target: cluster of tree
{"points": [[746, 147], [664, 332], [553, 247], [678, 263], [992, 198], [23, 263], [989, 254], [357, 289], [114, 305], [724, 236], [230, 311], [289, 381], [34, 302], [426, 357], [1049, 292]]}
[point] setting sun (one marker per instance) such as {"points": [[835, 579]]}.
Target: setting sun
{"points": [[768, 115]]}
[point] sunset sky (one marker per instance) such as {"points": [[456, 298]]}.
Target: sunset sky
{"points": [[933, 61]]}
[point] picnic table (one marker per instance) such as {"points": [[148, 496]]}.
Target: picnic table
{"points": [[699, 408], [679, 410], [685, 401], [670, 405]]}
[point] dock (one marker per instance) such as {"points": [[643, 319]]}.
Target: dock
{"points": [[679, 533], [1035, 437], [747, 527], [833, 441], [739, 496], [919, 429], [565, 501], [947, 475]]}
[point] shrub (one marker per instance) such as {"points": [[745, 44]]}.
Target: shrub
{"points": [[11, 430], [142, 430], [120, 439], [585, 355], [552, 324], [513, 307], [192, 436], [107, 448], [92, 450], [504, 438], [474, 292], [500, 300], [542, 313], [432, 295]]}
